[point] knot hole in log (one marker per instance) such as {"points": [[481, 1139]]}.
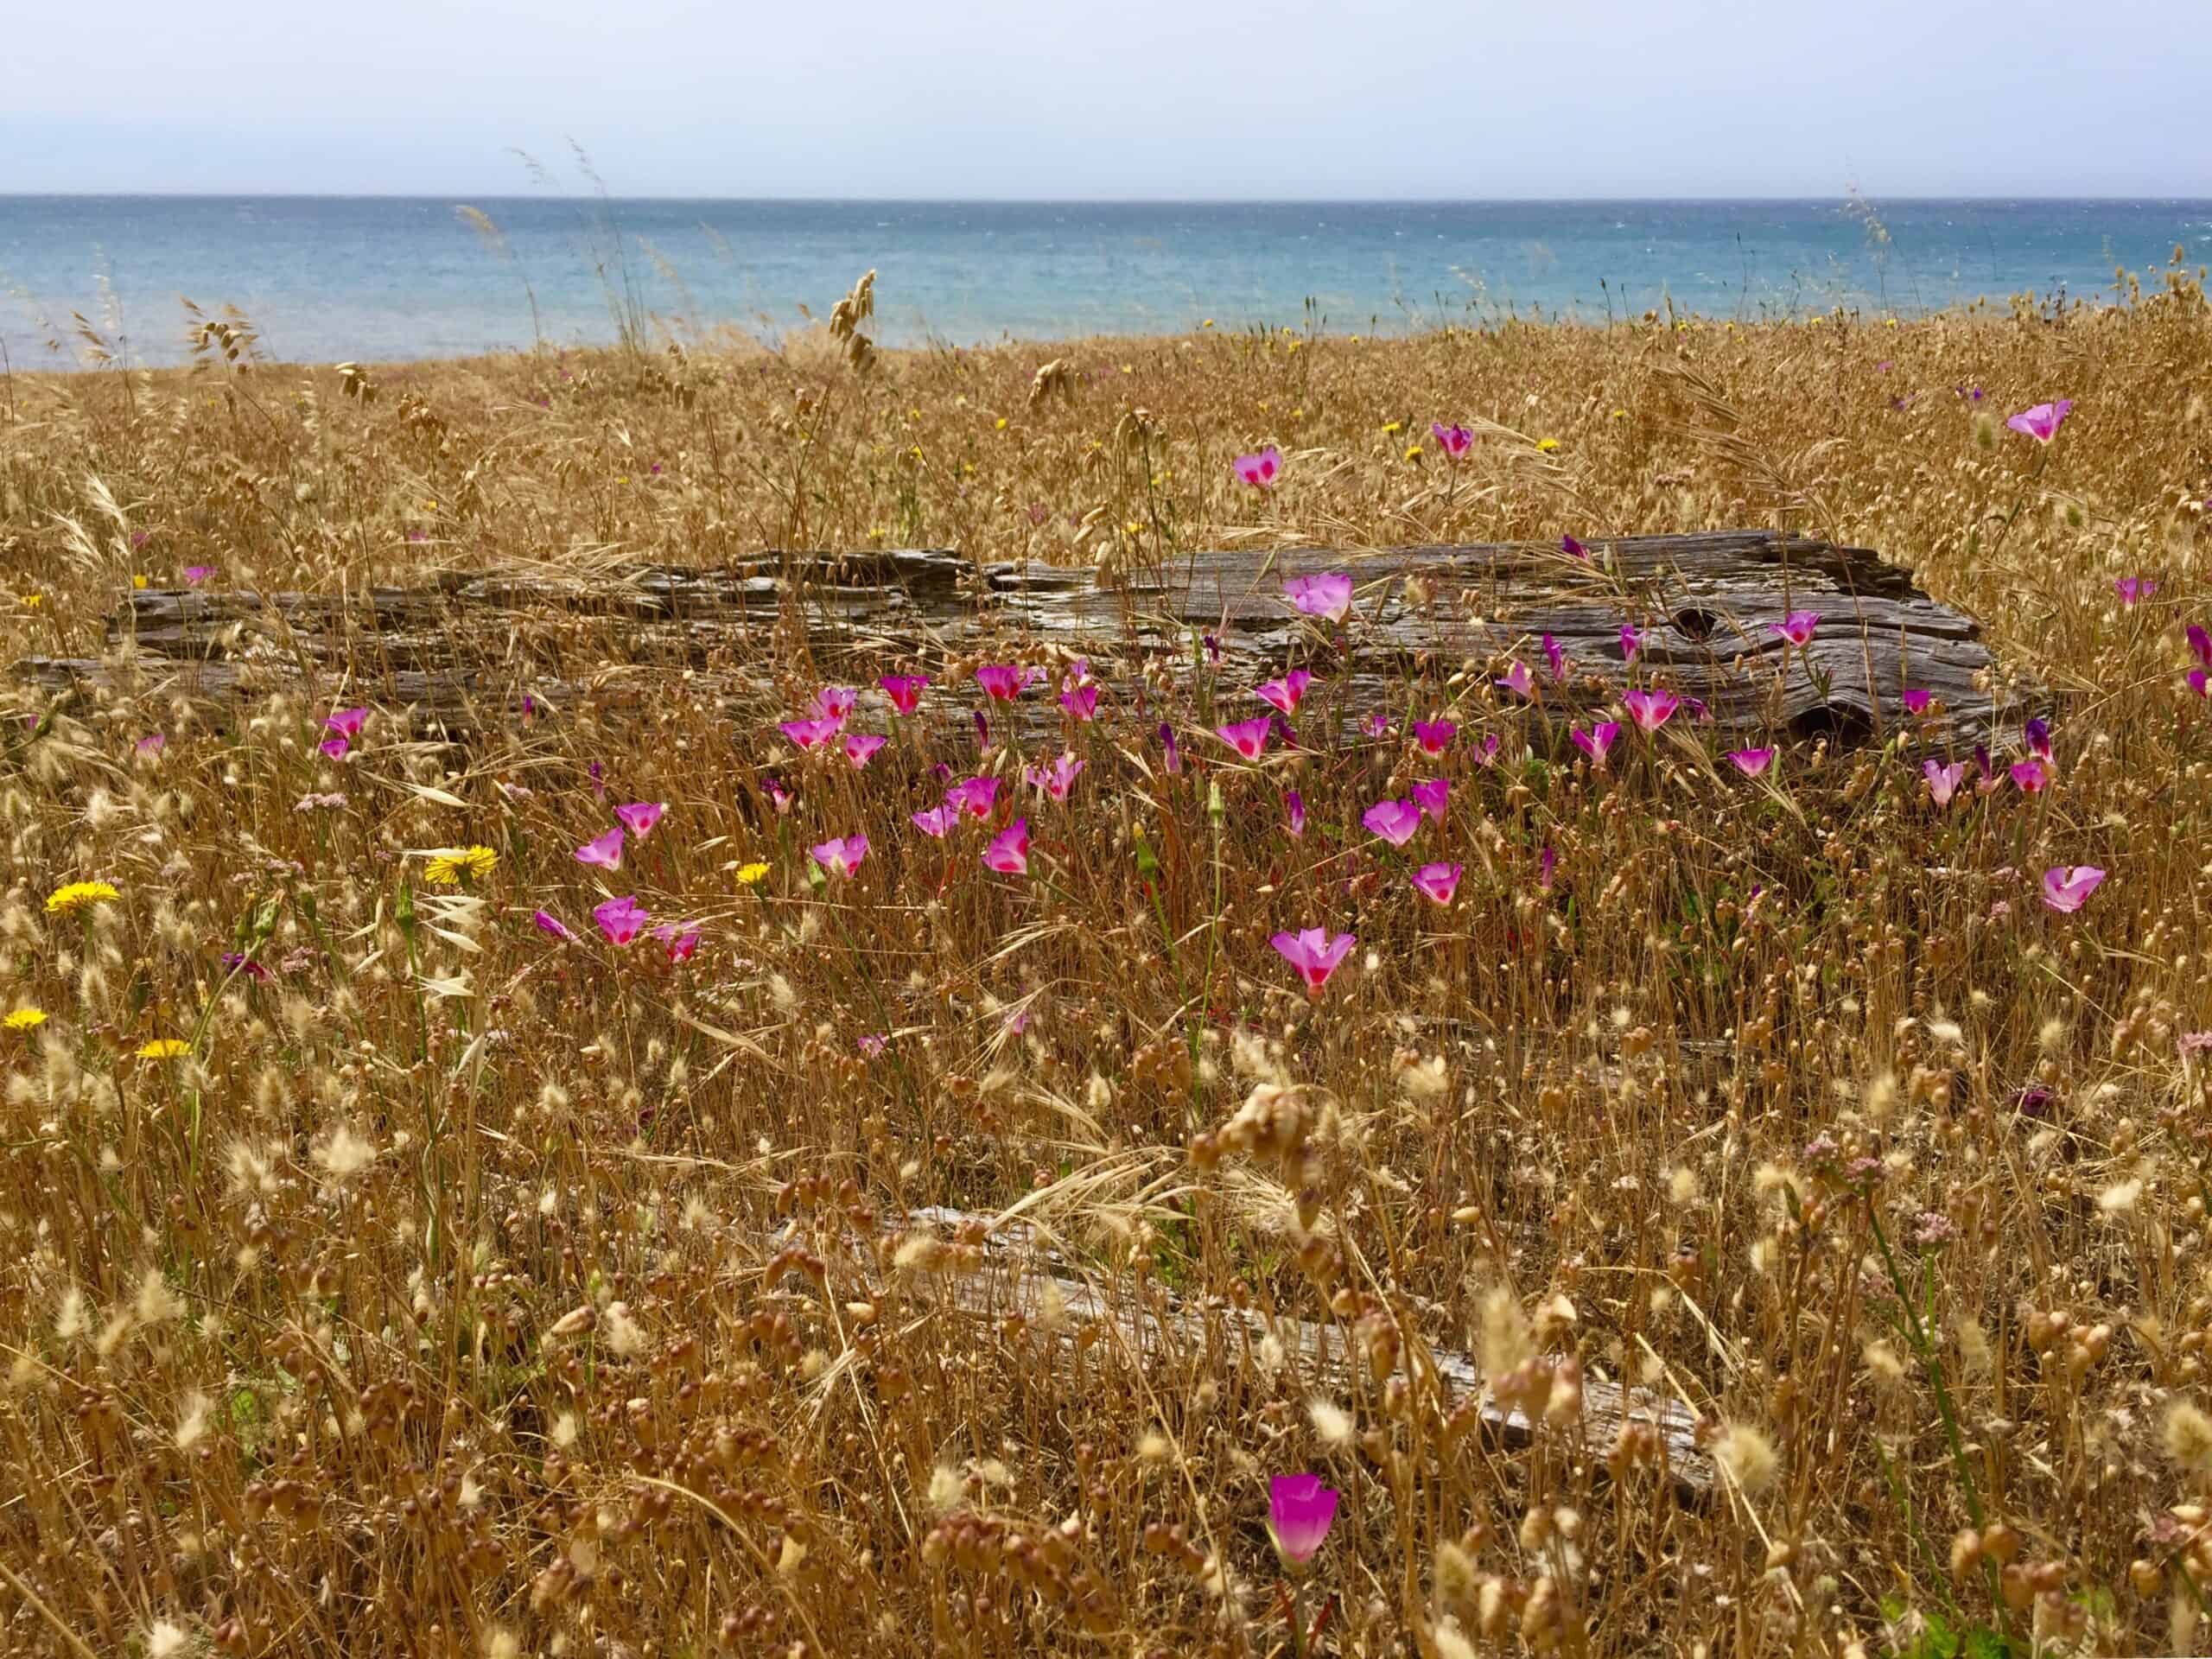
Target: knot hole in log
{"points": [[1695, 624], [1845, 725]]}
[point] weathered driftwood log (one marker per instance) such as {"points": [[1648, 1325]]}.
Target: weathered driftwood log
{"points": [[466, 648], [1021, 1273]]}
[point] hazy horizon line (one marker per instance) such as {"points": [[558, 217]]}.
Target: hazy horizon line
{"points": [[1061, 202]]}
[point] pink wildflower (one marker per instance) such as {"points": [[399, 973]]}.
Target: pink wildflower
{"points": [[1796, 628], [1313, 954], [621, 919], [1434, 736], [974, 796], [1431, 798], [1299, 1511], [1004, 681], [861, 748], [905, 691], [1249, 738], [812, 734], [2042, 422], [1286, 693], [2066, 890], [1943, 781], [1328, 594], [1438, 881], [1598, 741], [1649, 710], [1454, 439], [841, 857], [1009, 853], [1394, 820], [1259, 470], [605, 851], [639, 817], [1752, 763]]}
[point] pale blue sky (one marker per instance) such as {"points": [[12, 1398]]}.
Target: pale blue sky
{"points": [[1184, 99]]}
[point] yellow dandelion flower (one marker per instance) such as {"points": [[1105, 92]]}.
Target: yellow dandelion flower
{"points": [[1390, 427], [1208, 323], [77, 894], [1620, 414], [447, 868], [1888, 322], [138, 578], [1547, 445], [1412, 452], [1001, 425], [752, 876], [163, 1048], [32, 601], [430, 506], [25, 1020]]}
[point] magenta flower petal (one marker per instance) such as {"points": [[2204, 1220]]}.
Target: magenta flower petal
{"points": [[1649, 710], [1057, 779], [2042, 422], [812, 733], [905, 691], [1454, 439], [1313, 954], [1557, 659], [1598, 741], [1394, 820], [1328, 594], [1009, 853], [2201, 643], [1797, 627], [1752, 763], [681, 942], [1438, 881], [149, 746], [835, 702], [2030, 775], [2066, 890], [1918, 702], [1632, 642], [552, 925], [196, 574], [335, 748], [639, 817], [1081, 701], [1004, 681], [1434, 736], [605, 851], [621, 919], [1249, 738], [841, 857], [1300, 1512], [347, 722], [1293, 807], [1518, 680], [1431, 797], [974, 796], [938, 821], [861, 748], [1286, 693], [1943, 781], [1574, 549], [2133, 590], [1487, 753], [1259, 470]]}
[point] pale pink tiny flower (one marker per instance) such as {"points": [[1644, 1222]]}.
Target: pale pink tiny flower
{"points": [[196, 574], [1259, 470], [974, 796], [149, 746], [1431, 798], [1394, 820], [552, 925], [2133, 590], [2067, 889], [861, 748], [1598, 741], [1518, 680], [605, 851], [346, 723], [1434, 736], [1454, 439], [1943, 781], [1286, 693], [2041, 423], [1294, 806], [1327, 594], [1438, 881], [835, 702], [905, 691], [812, 734], [1797, 627], [1313, 954], [1649, 710], [841, 857], [938, 821], [639, 817], [1009, 853], [1752, 763], [1249, 738], [621, 919]]}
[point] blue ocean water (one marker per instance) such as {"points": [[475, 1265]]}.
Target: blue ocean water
{"points": [[373, 278]]}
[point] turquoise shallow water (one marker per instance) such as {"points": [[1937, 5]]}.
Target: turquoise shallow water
{"points": [[327, 278]]}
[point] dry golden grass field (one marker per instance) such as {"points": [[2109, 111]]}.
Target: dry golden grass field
{"points": [[412, 1250]]}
